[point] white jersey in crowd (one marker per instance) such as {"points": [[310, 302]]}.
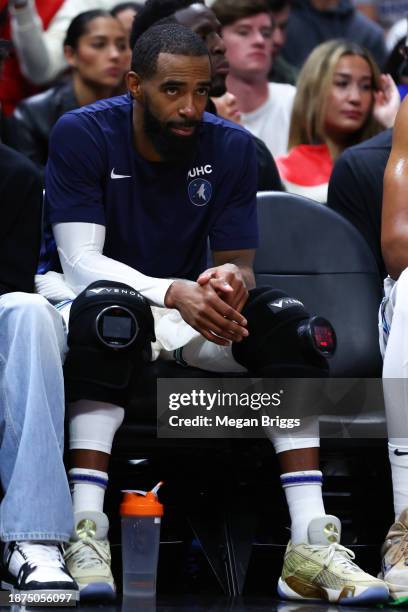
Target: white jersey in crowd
{"points": [[270, 122], [40, 52]]}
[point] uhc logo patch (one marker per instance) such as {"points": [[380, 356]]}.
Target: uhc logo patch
{"points": [[283, 303], [200, 192]]}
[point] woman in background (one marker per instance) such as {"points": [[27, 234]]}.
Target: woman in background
{"points": [[97, 51], [341, 100]]}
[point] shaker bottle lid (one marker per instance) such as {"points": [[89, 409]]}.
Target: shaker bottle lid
{"points": [[141, 503]]}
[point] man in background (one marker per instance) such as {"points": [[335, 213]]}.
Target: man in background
{"points": [[281, 71], [247, 30], [312, 22]]}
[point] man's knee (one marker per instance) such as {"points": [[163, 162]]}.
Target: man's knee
{"points": [[110, 330], [283, 338], [18, 302], [28, 310]]}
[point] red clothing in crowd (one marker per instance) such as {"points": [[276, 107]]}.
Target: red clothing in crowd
{"points": [[306, 170], [13, 85]]}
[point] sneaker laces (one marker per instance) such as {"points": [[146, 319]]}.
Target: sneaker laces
{"points": [[36, 554], [338, 553], [402, 544], [88, 553]]}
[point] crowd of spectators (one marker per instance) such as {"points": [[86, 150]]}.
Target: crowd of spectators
{"points": [[305, 94], [266, 43]]}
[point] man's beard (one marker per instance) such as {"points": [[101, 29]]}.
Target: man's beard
{"points": [[169, 146]]}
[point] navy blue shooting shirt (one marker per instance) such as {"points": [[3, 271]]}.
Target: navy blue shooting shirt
{"points": [[158, 216]]}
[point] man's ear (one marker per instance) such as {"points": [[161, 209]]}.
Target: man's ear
{"points": [[134, 83]]}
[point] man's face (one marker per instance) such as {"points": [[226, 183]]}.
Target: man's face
{"points": [[280, 24], [249, 45], [174, 101], [203, 22]]}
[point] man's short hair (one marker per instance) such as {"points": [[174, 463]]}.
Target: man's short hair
{"points": [[154, 12], [229, 11], [170, 38]]}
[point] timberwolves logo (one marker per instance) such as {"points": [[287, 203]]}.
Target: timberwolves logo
{"points": [[200, 192]]}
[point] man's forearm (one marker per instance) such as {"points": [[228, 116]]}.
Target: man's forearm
{"points": [[80, 248]]}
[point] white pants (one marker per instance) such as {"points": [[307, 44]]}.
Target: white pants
{"points": [[393, 327]]}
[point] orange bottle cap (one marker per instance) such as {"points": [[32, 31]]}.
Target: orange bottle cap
{"points": [[135, 504]]}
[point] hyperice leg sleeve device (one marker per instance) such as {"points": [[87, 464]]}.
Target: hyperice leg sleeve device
{"points": [[111, 327]]}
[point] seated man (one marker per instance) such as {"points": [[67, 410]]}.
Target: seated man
{"points": [[356, 192], [200, 19], [135, 187], [312, 22], [281, 70], [247, 30], [393, 338], [35, 513]]}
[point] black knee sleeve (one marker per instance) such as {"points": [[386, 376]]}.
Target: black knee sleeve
{"points": [[283, 339], [110, 330]]}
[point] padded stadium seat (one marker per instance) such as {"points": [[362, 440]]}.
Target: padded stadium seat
{"points": [[314, 254]]}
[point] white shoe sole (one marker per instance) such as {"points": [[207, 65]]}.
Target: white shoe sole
{"points": [[97, 591], [363, 595], [397, 591]]}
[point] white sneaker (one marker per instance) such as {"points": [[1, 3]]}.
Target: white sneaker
{"points": [[36, 567], [88, 557], [395, 559], [323, 570]]}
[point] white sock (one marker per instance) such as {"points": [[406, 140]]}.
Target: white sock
{"points": [[92, 425], [303, 492], [398, 454], [88, 489]]}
